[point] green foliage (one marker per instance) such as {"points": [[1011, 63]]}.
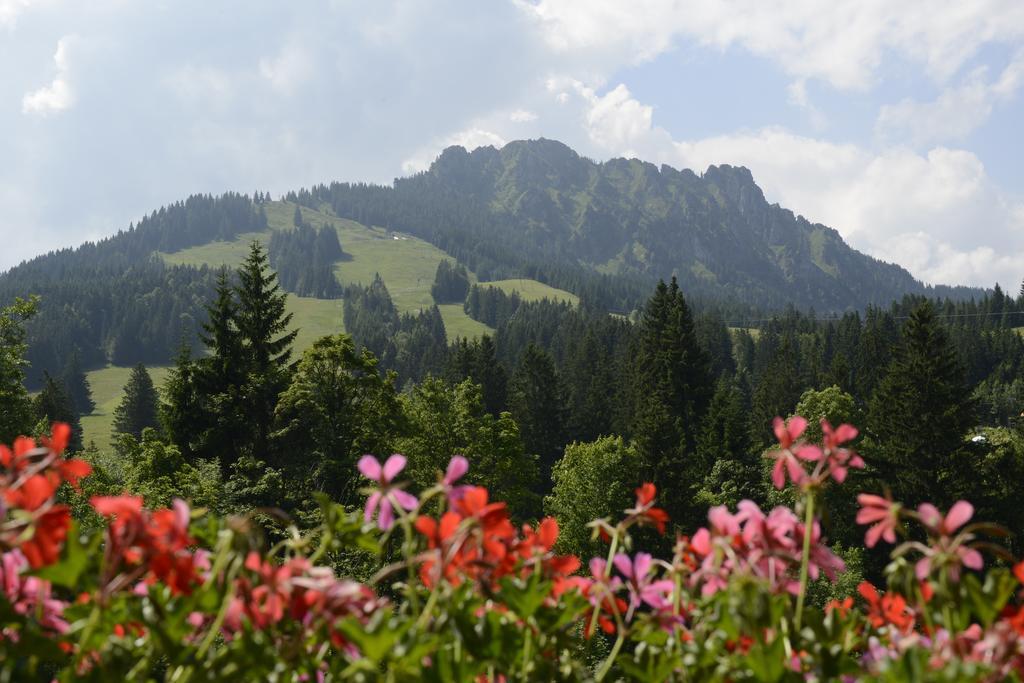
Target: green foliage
{"points": [[446, 420], [77, 385], [304, 259], [672, 388], [832, 404], [919, 416], [138, 408], [592, 481], [53, 404], [536, 401], [451, 283], [16, 417], [159, 473], [336, 408]]}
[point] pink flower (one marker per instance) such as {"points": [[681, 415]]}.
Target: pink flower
{"points": [[387, 495], [457, 467], [882, 514], [641, 588], [788, 433], [840, 459], [786, 463], [955, 551], [958, 515]]}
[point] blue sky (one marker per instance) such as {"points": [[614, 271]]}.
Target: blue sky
{"points": [[895, 123]]}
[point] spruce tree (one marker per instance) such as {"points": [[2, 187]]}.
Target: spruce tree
{"points": [[920, 414], [672, 388], [181, 413], [537, 404], [78, 386], [53, 404], [219, 425], [16, 414], [138, 407], [262, 322]]}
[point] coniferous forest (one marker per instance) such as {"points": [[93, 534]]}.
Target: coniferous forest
{"points": [[660, 379]]}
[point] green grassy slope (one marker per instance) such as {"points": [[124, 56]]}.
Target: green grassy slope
{"points": [[532, 290], [107, 389], [407, 265]]}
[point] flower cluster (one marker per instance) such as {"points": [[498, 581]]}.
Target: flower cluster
{"points": [[765, 546], [487, 598], [830, 459]]}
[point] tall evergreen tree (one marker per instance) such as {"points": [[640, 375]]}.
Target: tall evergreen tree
{"points": [[16, 414], [262, 321], [78, 385], [920, 414], [219, 425], [181, 411], [138, 407], [53, 404], [672, 386], [537, 403]]}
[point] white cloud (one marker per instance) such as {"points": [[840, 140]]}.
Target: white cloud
{"points": [[10, 9], [956, 113], [57, 96], [842, 41], [292, 66], [522, 116], [937, 214], [471, 138]]}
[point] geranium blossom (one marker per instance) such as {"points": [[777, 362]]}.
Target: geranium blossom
{"points": [[883, 516], [387, 494]]}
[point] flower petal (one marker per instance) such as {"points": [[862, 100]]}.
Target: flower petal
{"points": [[369, 467], [394, 465], [405, 499], [457, 467], [624, 565], [371, 505], [958, 515]]}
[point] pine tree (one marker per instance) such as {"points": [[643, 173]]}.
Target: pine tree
{"points": [[138, 407], [537, 404], [181, 412], [219, 422], [262, 322], [16, 414], [77, 385], [920, 414], [672, 386], [53, 404]]}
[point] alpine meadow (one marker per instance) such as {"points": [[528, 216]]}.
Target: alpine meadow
{"points": [[728, 386]]}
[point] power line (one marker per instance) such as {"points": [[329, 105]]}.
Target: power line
{"points": [[945, 316]]}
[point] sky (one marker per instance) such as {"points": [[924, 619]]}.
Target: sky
{"points": [[899, 124]]}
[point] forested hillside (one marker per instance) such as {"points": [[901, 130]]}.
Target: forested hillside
{"points": [[536, 207]]}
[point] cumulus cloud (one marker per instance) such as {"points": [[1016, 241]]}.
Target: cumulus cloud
{"points": [[471, 138], [958, 110], [57, 96], [842, 42], [522, 116]]}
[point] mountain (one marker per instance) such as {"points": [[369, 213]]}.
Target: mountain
{"points": [[535, 210], [537, 204]]}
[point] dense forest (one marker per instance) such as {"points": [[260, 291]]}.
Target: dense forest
{"points": [[686, 384]]}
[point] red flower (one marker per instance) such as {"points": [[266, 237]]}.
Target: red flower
{"points": [[888, 609], [51, 528], [644, 512]]}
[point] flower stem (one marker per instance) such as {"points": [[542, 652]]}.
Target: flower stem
{"points": [[614, 545], [805, 558]]}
